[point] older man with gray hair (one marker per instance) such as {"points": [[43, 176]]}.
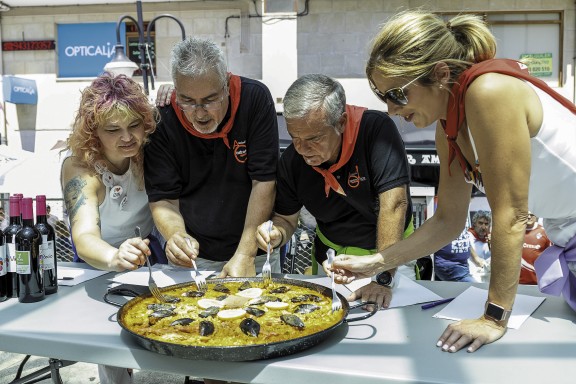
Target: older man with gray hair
{"points": [[347, 166], [210, 167]]}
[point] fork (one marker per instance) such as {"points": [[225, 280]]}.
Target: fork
{"points": [[266, 268], [198, 278], [336, 303], [151, 283]]}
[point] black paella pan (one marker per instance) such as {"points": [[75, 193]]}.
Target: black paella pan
{"points": [[245, 352]]}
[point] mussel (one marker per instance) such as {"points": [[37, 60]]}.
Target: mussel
{"points": [[161, 307], [250, 327], [206, 328], [281, 289], [171, 299], [193, 294], [221, 288], [221, 297], [306, 308], [254, 311], [182, 321], [263, 299], [306, 297], [159, 314], [245, 285], [293, 321], [211, 311]]}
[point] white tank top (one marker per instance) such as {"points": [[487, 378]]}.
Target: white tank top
{"points": [[552, 193], [119, 220]]}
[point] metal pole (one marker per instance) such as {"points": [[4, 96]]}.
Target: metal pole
{"points": [[143, 65]]}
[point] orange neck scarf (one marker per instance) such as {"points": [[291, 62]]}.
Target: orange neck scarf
{"points": [[234, 85], [456, 107], [348, 142]]}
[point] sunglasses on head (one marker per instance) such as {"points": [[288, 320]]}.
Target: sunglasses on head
{"points": [[395, 95]]}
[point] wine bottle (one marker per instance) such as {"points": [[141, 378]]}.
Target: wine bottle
{"points": [[9, 234], [3, 269], [47, 248], [28, 241]]}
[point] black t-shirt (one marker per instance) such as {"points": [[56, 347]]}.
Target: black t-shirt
{"points": [[211, 181], [378, 164]]}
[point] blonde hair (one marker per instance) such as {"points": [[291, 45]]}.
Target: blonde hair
{"points": [[412, 42]]}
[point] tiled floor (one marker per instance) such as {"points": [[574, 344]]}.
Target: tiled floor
{"points": [[79, 373]]}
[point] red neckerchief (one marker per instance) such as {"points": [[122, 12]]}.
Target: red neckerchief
{"points": [[348, 142], [473, 232], [456, 107], [234, 85]]}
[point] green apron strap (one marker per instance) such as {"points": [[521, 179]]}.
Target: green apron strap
{"points": [[356, 251]]}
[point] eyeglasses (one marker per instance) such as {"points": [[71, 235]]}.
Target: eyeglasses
{"points": [[395, 95], [209, 106]]}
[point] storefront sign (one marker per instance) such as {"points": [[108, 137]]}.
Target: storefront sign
{"points": [[539, 64], [36, 45], [84, 49], [18, 90], [424, 158]]}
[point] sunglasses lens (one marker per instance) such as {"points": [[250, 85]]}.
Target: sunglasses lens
{"points": [[397, 96]]}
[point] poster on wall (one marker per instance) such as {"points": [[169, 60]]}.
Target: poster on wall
{"points": [[539, 64], [84, 49]]}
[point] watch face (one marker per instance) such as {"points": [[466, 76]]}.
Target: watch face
{"points": [[384, 278], [494, 311]]}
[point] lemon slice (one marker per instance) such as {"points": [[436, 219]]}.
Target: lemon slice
{"points": [[276, 305], [251, 293], [229, 314], [207, 303]]}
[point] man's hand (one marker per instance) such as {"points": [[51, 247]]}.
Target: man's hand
{"points": [[131, 254], [164, 94], [240, 265], [181, 248], [262, 237], [373, 292], [475, 332]]}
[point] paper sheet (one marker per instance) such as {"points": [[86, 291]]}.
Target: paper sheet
{"points": [[470, 305], [408, 292], [164, 275], [72, 276]]}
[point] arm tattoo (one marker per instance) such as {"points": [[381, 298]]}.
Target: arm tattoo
{"points": [[74, 197]]}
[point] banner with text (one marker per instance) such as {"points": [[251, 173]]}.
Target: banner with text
{"points": [[18, 90], [84, 49]]}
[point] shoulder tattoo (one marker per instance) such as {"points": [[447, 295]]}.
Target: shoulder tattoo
{"points": [[74, 198]]}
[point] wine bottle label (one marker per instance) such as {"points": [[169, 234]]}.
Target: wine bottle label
{"points": [[11, 256], [23, 266], [3, 261], [46, 254]]}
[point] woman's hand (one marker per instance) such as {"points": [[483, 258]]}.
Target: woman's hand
{"points": [[475, 332], [131, 254], [164, 95], [347, 268]]}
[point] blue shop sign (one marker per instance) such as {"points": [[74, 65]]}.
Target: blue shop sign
{"points": [[18, 90], [84, 49]]}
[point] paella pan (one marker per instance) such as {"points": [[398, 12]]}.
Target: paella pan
{"points": [[236, 319]]}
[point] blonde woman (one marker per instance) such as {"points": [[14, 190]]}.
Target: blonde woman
{"points": [[498, 128]]}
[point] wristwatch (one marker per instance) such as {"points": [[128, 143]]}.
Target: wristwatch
{"points": [[496, 312], [385, 279]]}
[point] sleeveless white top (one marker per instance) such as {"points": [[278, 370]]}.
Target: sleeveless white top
{"points": [[552, 187], [552, 193], [119, 220]]}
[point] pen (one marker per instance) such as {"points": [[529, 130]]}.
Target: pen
{"points": [[436, 303], [66, 278]]}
